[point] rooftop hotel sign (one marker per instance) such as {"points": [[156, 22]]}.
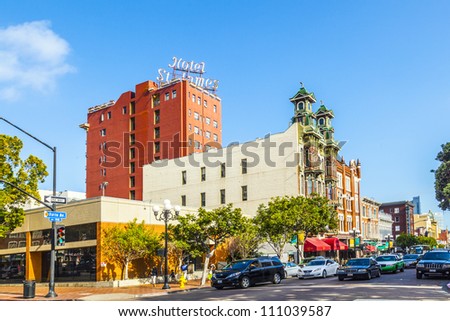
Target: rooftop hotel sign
{"points": [[190, 70]]}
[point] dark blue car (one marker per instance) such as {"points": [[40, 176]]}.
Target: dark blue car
{"points": [[365, 268]]}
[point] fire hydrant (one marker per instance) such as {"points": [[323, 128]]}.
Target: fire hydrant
{"points": [[183, 281]]}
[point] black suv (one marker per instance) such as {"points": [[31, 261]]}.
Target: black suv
{"points": [[436, 262], [244, 273]]}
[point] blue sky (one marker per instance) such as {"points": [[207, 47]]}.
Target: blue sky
{"points": [[382, 67]]}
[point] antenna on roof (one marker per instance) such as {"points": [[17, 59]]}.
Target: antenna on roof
{"points": [[301, 84]]}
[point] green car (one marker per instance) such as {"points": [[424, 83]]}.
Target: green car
{"points": [[390, 263]]}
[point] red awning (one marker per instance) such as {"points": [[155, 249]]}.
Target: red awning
{"points": [[335, 244], [313, 244], [371, 248]]}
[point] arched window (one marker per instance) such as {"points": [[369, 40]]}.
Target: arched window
{"points": [[300, 106]]}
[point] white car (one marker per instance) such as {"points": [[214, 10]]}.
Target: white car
{"points": [[319, 268], [291, 269]]}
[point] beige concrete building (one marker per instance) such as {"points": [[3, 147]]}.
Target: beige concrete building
{"points": [[369, 219]]}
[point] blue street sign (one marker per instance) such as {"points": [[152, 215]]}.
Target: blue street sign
{"points": [[55, 215]]}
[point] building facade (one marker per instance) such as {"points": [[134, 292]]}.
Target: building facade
{"points": [[370, 219], [402, 213], [156, 121], [384, 225], [416, 203], [299, 161]]}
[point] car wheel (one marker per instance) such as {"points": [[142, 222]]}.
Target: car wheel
{"points": [[219, 287], [402, 269], [341, 278], [245, 282], [378, 273], [418, 275], [369, 275], [276, 278], [324, 274]]}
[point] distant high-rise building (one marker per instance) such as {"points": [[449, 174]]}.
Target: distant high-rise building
{"points": [[416, 202]]}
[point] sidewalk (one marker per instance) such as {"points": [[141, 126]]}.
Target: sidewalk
{"points": [[14, 292]]}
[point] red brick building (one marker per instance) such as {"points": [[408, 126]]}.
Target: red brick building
{"points": [[152, 123], [402, 213]]}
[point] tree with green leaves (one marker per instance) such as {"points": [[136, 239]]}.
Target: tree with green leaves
{"points": [[285, 217], [123, 244], [442, 178], [203, 233], [425, 240], [406, 240], [24, 173], [246, 243]]}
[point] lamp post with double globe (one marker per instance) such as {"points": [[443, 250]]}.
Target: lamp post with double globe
{"points": [[167, 214]]}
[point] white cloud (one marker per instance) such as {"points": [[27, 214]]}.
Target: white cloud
{"points": [[31, 56]]}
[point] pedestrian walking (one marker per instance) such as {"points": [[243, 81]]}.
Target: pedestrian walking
{"points": [[154, 275]]}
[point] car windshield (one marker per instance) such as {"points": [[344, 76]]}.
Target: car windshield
{"points": [[358, 262], [411, 256], [386, 258], [238, 265], [316, 262], [437, 256]]}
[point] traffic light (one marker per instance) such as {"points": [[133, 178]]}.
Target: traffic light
{"points": [[60, 235]]}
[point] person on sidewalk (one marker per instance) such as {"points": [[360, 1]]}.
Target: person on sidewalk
{"points": [[154, 275]]}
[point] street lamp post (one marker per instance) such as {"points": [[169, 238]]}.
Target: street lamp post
{"points": [[51, 292], [388, 238], [355, 232], [166, 215]]}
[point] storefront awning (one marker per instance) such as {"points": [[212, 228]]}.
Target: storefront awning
{"points": [[335, 244], [371, 248], [313, 244]]}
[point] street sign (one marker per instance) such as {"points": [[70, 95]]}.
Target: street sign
{"points": [[55, 216], [55, 199]]}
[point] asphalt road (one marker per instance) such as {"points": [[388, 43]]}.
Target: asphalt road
{"points": [[399, 286]]}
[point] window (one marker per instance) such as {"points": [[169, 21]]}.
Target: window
{"points": [[347, 183], [183, 177], [339, 180], [190, 127], [215, 108], [196, 116], [205, 103], [208, 134], [222, 169], [103, 132], [397, 228], [189, 112], [157, 147], [156, 116], [203, 173], [199, 100], [166, 96], [197, 145], [193, 98], [124, 110], [244, 166], [222, 196], [132, 167], [244, 192], [157, 132], [174, 94], [396, 210], [132, 123], [203, 199], [215, 124], [102, 117], [132, 108], [196, 130], [132, 195], [156, 100], [397, 219], [109, 115], [132, 181], [207, 120], [321, 121], [215, 137], [183, 200]]}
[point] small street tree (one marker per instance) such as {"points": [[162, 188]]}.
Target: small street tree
{"points": [[26, 174], [123, 244], [406, 240], [442, 178], [246, 242]]}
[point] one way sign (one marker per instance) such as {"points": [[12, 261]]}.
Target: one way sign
{"points": [[55, 199]]}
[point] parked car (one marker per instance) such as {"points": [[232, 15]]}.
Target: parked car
{"points": [[319, 268], [390, 263], [435, 262], [411, 260], [244, 273], [359, 268], [306, 260], [291, 269]]}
